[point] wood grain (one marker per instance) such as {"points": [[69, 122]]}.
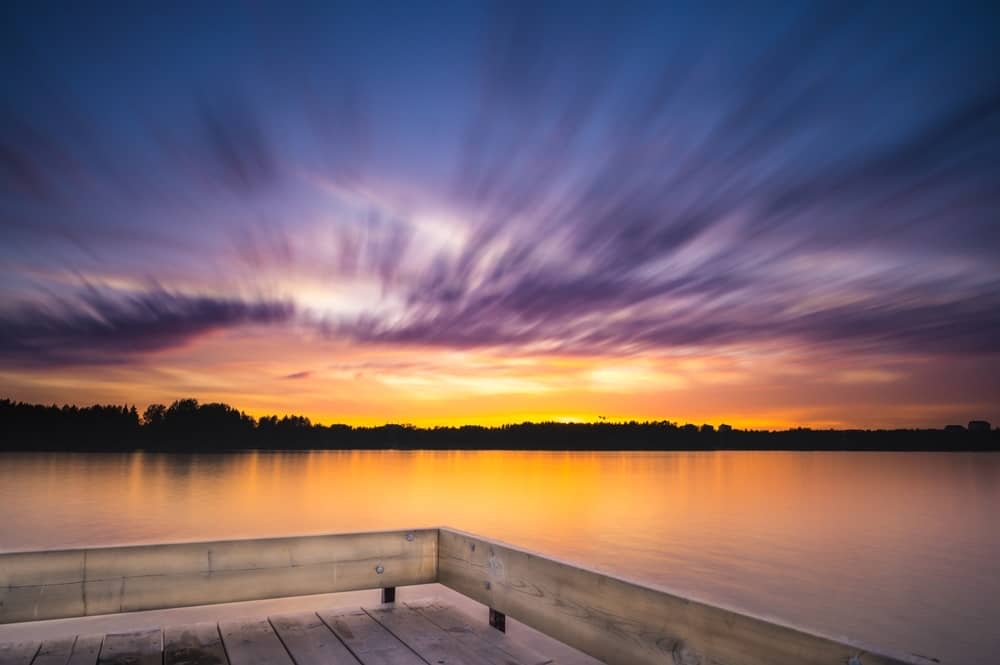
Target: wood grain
{"points": [[68, 583], [86, 650], [310, 641], [429, 641], [625, 623], [18, 653], [253, 642], [55, 652], [486, 641], [367, 639], [193, 644], [142, 647], [611, 618]]}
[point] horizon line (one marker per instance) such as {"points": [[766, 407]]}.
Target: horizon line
{"points": [[257, 416]]}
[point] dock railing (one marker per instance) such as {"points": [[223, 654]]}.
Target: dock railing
{"points": [[618, 621]]}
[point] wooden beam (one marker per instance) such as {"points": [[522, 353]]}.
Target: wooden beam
{"points": [[626, 623], [367, 639], [614, 619], [310, 641], [86, 650], [55, 652], [141, 647], [195, 644], [476, 635], [429, 641], [71, 583], [18, 653], [253, 642]]}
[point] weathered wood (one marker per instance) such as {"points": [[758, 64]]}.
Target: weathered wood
{"points": [[310, 641], [86, 649], [428, 640], [369, 640], [143, 647], [253, 642], [48, 585], [613, 619], [477, 636], [625, 623], [55, 652], [194, 644], [18, 653]]}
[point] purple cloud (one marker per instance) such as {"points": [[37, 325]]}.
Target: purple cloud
{"points": [[110, 329], [585, 184]]}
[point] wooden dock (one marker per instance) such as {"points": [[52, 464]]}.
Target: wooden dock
{"points": [[615, 620], [421, 633]]}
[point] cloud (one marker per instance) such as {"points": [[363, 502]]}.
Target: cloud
{"points": [[607, 188], [105, 328]]}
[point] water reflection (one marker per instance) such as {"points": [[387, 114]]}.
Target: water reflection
{"points": [[899, 550]]}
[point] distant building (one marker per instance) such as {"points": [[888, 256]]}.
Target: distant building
{"points": [[707, 429], [725, 428], [979, 426], [954, 428], [689, 428]]}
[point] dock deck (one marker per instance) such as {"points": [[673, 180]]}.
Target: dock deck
{"points": [[414, 633], [609, 618]]}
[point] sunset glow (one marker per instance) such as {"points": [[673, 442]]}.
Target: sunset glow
{"points": [[470, 215]]}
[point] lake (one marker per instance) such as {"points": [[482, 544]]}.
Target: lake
{"points": [[901, 550]]}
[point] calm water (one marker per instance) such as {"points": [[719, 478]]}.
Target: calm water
{"points": [[901, 550]]}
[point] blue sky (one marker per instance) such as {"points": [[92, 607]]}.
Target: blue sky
{"points": [[790, 192]]}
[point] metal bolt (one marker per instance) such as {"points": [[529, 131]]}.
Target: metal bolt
{"points": [[472, 547], [379, 569], [487, 585], [409, 537]]}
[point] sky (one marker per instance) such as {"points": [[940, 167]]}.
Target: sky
{"points": [[769, 215]]}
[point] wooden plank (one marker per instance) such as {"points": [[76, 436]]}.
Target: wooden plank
{"points": [[55, 652], [310, 641], [86, 650], [367, 639], [625, 623], [430, 642], [478, 636], [193, 644], [253, 642], [142, 647], [56, 584], [18, 653]]}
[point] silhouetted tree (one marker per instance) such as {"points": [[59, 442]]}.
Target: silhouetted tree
{"points": [[188, 425]]}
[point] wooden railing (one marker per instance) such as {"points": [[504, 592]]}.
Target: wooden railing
{"points": [[71, 583], [615, 620]]}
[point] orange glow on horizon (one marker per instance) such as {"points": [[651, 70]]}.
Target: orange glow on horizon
{"points": [[263, 372]]}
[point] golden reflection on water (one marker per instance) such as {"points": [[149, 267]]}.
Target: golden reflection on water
{"points": [[898, 549]]}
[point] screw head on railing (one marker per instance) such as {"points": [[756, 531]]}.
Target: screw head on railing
{"points": [[472, 547], [487, 585], [409, 537], [379, 569]]}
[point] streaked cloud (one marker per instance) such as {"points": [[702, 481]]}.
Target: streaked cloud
{"points": [[636, 188], [100, 329]]}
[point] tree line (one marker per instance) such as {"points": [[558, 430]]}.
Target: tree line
{"points": [[187, 425]]}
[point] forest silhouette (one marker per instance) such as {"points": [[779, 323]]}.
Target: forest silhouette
{"points": [[187, 425]]}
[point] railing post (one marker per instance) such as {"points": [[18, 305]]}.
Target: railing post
{"points": [[498, 620], [389, 594]]}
